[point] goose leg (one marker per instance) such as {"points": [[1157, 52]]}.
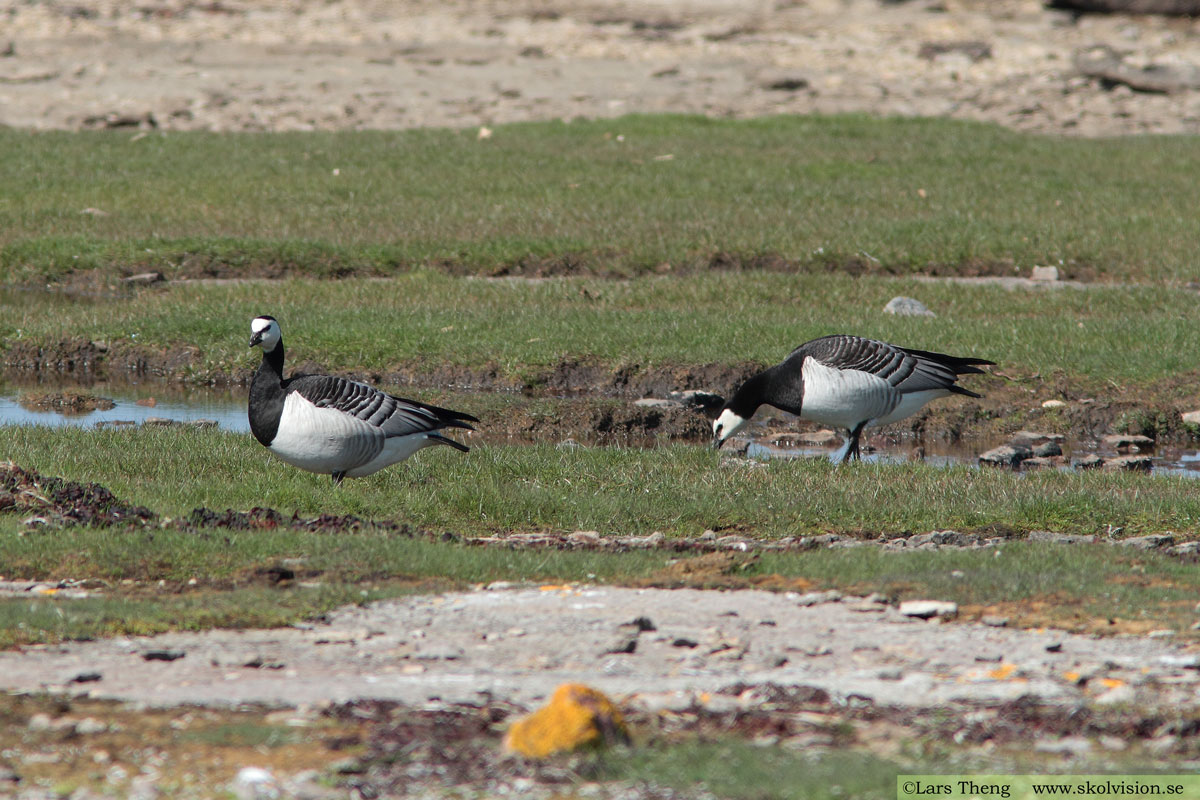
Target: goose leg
{"points": [[852, 450], [337, 477]]}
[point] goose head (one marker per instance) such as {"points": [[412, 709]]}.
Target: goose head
{"points": [[265, 333]]}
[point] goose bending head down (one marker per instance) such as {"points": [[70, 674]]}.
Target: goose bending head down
{"points": [[331, 425], [847, 382]]}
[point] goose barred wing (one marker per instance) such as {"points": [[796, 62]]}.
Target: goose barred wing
{"points": [[905, 370], [394, 416]]}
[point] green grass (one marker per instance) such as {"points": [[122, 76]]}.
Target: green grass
{"points": [[734, 769], [426, 319], [677, 490], [894, 194]]}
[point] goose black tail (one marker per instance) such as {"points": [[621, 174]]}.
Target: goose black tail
{"points": [[959, 365], [448, 441]]}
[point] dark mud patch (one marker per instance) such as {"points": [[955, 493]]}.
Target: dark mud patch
{"points": [[57, 502]]}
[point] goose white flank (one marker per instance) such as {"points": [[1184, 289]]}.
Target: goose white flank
{"points": [[331, 425], [848, 382]]}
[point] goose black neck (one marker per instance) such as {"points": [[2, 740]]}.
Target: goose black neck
{"points": [[749, 396], [273, 360], [266, 396]]}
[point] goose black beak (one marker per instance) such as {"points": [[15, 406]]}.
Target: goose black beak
{"points": [[717, 443], [255, 339]]}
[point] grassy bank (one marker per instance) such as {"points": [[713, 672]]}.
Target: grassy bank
{"points": [[1100, 339], [615, 196]]}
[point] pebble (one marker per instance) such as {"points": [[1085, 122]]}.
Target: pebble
{"points": [[994, 621], [1053, 404], [1129, 463], [1124, 441], [1043, 274], [1152, 541], [927, 609], [907, 307], [1192, 417], [1006, 455], [1060, 538]]}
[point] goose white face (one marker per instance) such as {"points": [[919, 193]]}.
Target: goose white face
{"points": [[727, 425], [264, 333]]}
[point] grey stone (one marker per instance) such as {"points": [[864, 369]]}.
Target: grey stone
{"points": [[993, 621], [90, 725], [907, 307], [1186, 549], [1103, 62], [1043, 274], [1129, 464], [655, 402], [1127, 441], [141, 277], [815, 598], [1153, 541], [1066, 746], [1192, 417], [1060, 538], [926, 609], [1091, 461], [161, 421], [1047, 449], [1043, 462], [1035, 437], [1008, 455]]}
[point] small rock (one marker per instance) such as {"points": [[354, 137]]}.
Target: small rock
{"points": [[654, 402], [163, 655], [576, 716], [1008, 455], [255, 783], [162, 421], [1129, 464], [890, 674], [1186, 661], [1192, 417], [1060, 538], [40, 722], [626, 642], [1047, 450], [1118, 695], [1122, 442], [1043, 274], [203, 424], [697, 398], [1032, 438], [1066, 746], [1186, 549], [1054, 404], [584, 538], [926, 609], [1054, 647], [1091, 461], [907, 307], [1153, 541], [683, 641], [90, 725], [815, 598], [86, 677], [141, 277], [993, 621], [1047, 462]]}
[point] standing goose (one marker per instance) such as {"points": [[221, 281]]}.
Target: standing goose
{"points": [[847, 382], [326, 424]]}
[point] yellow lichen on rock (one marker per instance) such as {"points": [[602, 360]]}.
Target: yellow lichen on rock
{"points": [[576, 717]]}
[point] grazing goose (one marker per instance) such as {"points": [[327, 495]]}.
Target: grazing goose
{"points": [[322, 423], [847, 382]]}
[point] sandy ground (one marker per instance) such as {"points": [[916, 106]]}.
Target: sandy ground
{"points": [[519, 643], [236, 65]]}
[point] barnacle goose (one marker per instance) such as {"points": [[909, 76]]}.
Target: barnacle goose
{"points": [[327, 424], [847, 382]]}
